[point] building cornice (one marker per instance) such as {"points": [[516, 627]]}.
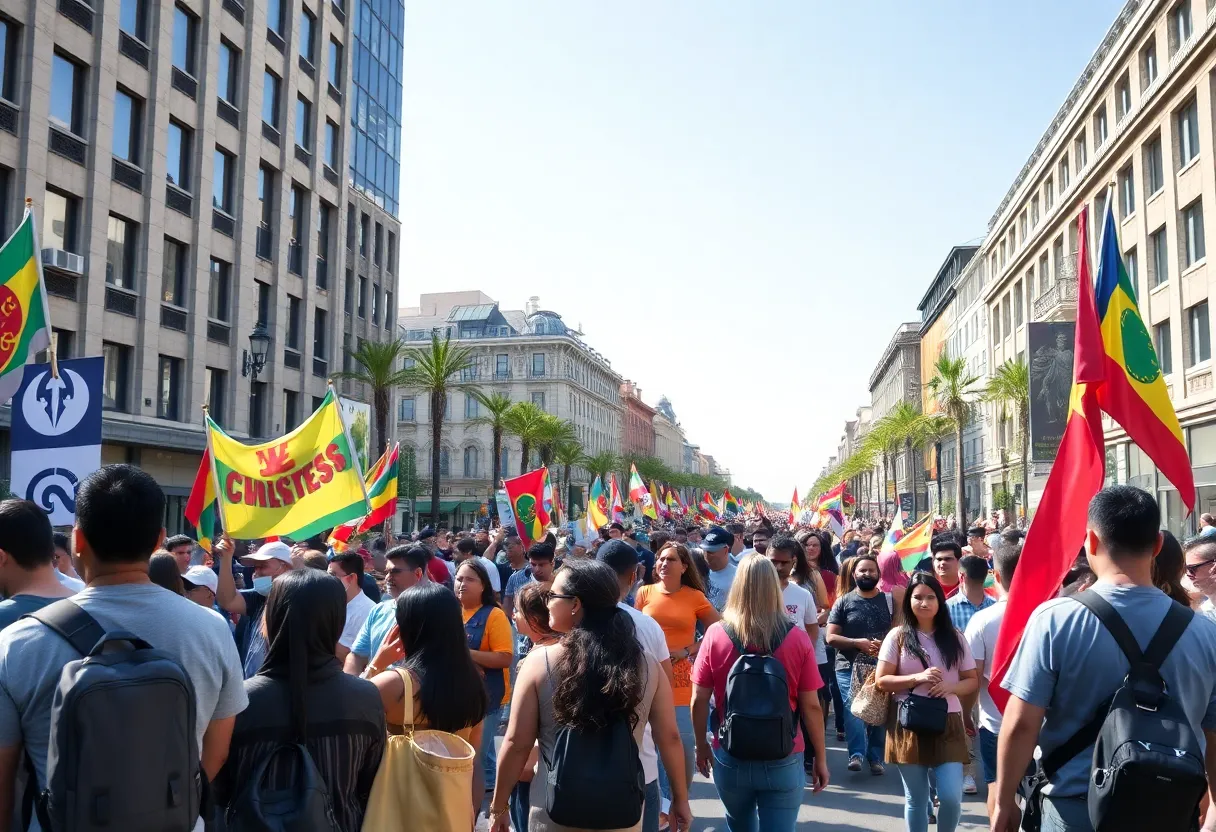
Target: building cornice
{"points": [[907, 335]]}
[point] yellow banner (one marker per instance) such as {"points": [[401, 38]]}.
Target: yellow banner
{"points": [[298, 485]]}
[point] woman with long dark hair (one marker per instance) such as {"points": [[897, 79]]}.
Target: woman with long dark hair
{"points": [[492, 647], [926, 656], [448, 691], [300, 695], [1169, 567], [163, 571]]}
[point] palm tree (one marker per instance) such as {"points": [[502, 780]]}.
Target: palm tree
{"points": [[552, 432], [601, 464], [567, 455], [433, 372], [378, 364], [953, 385], [523, 421], [1009, 387], [905, 428], [496, 406]]}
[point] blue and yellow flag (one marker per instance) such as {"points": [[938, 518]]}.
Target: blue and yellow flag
{"points": [[1132, 389]]}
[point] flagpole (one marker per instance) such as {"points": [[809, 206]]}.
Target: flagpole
{"points": [[354, 452], [215, 476], [46, 308]]}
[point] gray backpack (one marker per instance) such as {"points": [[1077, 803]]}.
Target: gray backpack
{"points": [[123, 754]]}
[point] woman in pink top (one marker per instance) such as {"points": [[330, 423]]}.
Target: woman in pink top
{"points": [[767, 791], [928, 657]]}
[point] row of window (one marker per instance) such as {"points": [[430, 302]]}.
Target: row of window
{"points": [[362, 310], [369, 245], [407, 407]]}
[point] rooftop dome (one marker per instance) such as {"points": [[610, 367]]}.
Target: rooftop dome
{"points": [[546, 323]]}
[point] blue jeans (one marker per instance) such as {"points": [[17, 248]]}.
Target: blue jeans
{"points": [[1066, 814], [684, 724], [949, 777], [866, 741], [521, 805], [650, 810], [759, 795], [489, 751], [829, 681]]}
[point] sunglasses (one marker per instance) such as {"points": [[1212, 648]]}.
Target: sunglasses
{"points": [[1192, 571], [550, 595]]}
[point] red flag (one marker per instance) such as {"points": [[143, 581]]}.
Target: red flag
{"points": [[1079, 471]]}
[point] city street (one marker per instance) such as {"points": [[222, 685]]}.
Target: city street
{"points": [[853, 802]]}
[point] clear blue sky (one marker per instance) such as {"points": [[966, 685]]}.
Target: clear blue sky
{"points": [[739, 202]]}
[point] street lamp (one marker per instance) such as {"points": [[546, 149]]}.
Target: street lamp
{"points": [[253, 360]]}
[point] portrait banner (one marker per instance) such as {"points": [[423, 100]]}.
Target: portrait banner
{"points": [[1050, 350]]}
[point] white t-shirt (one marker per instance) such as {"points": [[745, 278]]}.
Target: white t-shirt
{"points": [[654, 644], [800, 607], [492, 569], [357, 611], [74, 584], [981, 635]]}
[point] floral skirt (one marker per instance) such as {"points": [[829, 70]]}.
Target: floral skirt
{"points": [[905, 746]]}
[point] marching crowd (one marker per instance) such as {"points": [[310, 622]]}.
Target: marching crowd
{"points": [[449, 680]]}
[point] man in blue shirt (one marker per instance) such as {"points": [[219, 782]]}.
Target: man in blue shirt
{"points": [[406, 568], [1068, 664], [971, 597]]}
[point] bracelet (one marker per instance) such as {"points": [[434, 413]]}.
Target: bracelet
{"points": [[495, 814]]}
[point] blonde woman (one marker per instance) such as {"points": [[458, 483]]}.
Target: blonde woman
{"points": [[767, 792]]}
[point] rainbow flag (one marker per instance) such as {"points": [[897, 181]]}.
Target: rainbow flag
{"points": [[709, 509], [1131, 388], [25, 318], [597, 505], [527, 497], [730, 506], [911, 546], [381, 484], [201, 508]]}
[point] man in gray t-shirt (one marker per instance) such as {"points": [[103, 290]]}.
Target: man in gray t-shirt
{"points": [[1068, 663]]}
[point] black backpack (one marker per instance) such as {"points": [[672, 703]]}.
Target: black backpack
{"points": [[595, 778], [757, 721], [304, 806], [1148, 769], [123, 753]]}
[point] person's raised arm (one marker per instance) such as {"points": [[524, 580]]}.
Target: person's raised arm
{"points": [[1014, 750], [226, 594]]}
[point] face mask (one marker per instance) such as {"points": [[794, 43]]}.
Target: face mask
{"points": [[866, 584], [262, 585]]}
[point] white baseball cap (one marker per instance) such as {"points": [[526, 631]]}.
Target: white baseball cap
{"points": [[275, 550], [202, 576]]}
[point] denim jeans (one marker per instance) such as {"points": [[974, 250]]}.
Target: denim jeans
{"points": [[829, 681], [759, 795], [866, 741], [489, 751], [650, 810], [520, 806], [1066, 814], [949, 777], [684, 724]]}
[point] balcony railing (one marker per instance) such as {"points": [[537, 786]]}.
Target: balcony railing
{"points": [[1059, 300], [265, 242]]}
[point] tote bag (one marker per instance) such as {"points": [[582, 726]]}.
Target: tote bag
{"points": [[425, 780], [869, 703]]}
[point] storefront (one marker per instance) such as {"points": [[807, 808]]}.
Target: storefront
{"points": [[453, 514], [1126, 463]]}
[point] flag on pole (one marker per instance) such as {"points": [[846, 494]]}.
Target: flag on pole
{"points": [[597, 505], [674, 508], [658, 503], [201, 508], [795, 508], [709, 509], [527, 497], [1132, 389], [618, 505], [1078, 473], [25, 318], [912, 546], [381, 484], [639, 494], [730, 506]]}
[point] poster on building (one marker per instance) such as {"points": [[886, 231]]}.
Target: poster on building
{"points": [[1050, 351], [358, 418], [905, 508], [56, 434]]}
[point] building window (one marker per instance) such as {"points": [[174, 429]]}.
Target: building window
{"points": [[388, 310], [471, 409], [216, 384], [61, 221], [128, 121], [217, 295], [173, 274], [538, 363], [67, 94], [1188, 133], [502, 365], [331, 145], [1161, 340], [229, 78], [121, 247], [1159, 251], [1127, 193], [1148, 64], [538, 399], [1192, 233], [392, 254], [169, 389], [293, 323], [1079, 151], [405, 410], [324, 212], [308, 29], [274, 16], [1100, 127], [185, 32], [257, 408], [1123, 98], [1154, 172], [1180, 25], [1132, 260], [319, 334], [378, 250], [362, 297], [364, 233], [1064, 174], [177, 169], [1017, 304], [291, 409], [1044, 280], [1200, 347], [375, 302], [115, 393], [470, 463], [221, 184], [266, 192], [263, 303], [270, 98], [133, 18], [335, 64], [303, 122], [445, 463]]}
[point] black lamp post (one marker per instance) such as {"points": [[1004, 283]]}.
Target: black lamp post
{"points": [[253, 360]]}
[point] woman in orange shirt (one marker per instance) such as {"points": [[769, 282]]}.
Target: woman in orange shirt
{"points": [[676, 600]]}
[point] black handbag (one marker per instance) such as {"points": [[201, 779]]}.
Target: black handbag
{"points": [[923, 714]]}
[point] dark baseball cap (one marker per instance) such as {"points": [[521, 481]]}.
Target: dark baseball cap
{"points": [[426, 533], [618, 555], [716, 538]]}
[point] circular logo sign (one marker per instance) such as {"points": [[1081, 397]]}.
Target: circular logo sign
{"points": [[1138, 352], [53, 406]]}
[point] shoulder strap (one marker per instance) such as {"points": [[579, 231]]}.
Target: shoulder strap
{"points": [[408, 709], [734, 638], [73, 624], [1114, 623], [890, 603], [1172, 627]]}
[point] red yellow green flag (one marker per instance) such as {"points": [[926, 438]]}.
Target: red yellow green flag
{"points": [[795, 508], [527, 497], [597, 505], [381, 483], [657, 502], [639, 494], [201, 509], [25, 319]]}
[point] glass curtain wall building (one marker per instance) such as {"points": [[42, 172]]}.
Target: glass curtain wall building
{"points": [[375, 159]]}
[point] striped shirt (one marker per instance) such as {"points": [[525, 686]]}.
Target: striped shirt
{"points": [[961, 609]]}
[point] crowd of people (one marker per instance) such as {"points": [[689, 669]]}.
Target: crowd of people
{"points": [[556, 686]]}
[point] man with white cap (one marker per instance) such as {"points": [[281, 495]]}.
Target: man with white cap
{"points": [[201, 583], [269, 562]]}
